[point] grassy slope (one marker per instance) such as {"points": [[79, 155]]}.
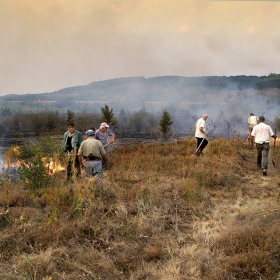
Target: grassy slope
{"points": [[161, 213]]}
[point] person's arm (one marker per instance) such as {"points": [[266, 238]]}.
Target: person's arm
{"points": [[80, 139], [80, 156], [102, 149], [203, 131], [272, 133], [63, 144], [80, 160], [113, 138], [96, 134], [253, 134], [77, 141]]}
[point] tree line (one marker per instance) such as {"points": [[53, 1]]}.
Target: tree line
{"points": [[168, 122], [55, 122]]}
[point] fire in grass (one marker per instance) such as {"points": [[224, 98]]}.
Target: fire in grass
{"points": [[53, 165], [13, 163]]}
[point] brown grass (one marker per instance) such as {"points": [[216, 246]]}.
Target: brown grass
{"points": [[161, 213]]}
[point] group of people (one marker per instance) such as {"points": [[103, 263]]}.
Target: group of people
{"points": [[259, 134], [90, 153]]}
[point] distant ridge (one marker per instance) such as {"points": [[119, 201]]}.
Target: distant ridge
{"points": [[218, 82], [155, 93]]}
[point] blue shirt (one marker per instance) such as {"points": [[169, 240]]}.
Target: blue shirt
{"points": [[103, 137]]}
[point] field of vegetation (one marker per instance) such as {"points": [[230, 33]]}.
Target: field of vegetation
{"points": [[161, 213]]}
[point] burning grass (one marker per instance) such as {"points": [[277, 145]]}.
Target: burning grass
{"points": [[161, 213]]}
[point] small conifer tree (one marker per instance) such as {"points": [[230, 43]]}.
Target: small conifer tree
{"points": [[70, 117], [107, 114], [164, 124]]}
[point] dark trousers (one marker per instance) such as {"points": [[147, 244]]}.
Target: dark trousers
{"points": [[203, 143], [262, 155]]}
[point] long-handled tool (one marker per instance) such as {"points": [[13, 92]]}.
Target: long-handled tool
{"points": [[199, 147], [274, 150]]}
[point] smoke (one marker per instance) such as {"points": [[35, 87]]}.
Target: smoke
{"points": [[186, 99], [48, 45]]}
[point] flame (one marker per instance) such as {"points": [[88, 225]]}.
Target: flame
{"points": [[9, 155], [53, 165]]}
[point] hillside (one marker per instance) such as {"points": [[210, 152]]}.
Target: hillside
{"points": [[211, 94], [161, 213]]}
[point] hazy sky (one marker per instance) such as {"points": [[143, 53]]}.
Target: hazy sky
{"points": [[46, 45]]}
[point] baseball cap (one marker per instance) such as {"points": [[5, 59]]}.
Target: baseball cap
{"points": [[90, 132]]}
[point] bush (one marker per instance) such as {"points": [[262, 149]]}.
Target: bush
{"points": [[34, 158], [34, 173]]}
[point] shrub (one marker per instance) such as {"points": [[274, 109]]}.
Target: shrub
{"points": [[34, 158]]}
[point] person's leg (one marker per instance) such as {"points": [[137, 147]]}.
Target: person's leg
{"points": [[198, 146], [265, 152], [77, 166], [94, 168], [250, 136], [88, 169], [198, 141], [203, 145], [107, 159], [98, 169], [259, 154], [69, 169], [107, 162]]}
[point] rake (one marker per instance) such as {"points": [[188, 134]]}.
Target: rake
{"points": [[199, 146], [273, 153]]}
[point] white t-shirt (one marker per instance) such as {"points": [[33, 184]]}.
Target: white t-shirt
{"points": [[200, 123], [253, 120], [262, 133]]}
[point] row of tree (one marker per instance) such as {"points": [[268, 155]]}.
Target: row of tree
{"points": [[55, 123], [141, 123]]}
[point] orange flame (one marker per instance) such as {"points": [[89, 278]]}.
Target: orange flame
{"points": [[53, 165]]}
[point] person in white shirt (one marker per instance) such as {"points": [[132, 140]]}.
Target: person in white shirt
{"points": [[252, 121], [261, 134], [201, 134]]}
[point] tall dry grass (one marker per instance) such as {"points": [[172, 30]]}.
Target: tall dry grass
{"points": [[161, 213]]}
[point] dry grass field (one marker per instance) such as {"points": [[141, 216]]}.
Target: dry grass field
{"points": [[160, 214]]}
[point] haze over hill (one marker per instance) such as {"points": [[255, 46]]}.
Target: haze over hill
{"points": [[231, 95], [48, 45]]}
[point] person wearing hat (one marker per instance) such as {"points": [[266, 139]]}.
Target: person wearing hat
{"points": [[71, 142], [102, 135], [261, 134], [90, 155], [252, 121]]}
